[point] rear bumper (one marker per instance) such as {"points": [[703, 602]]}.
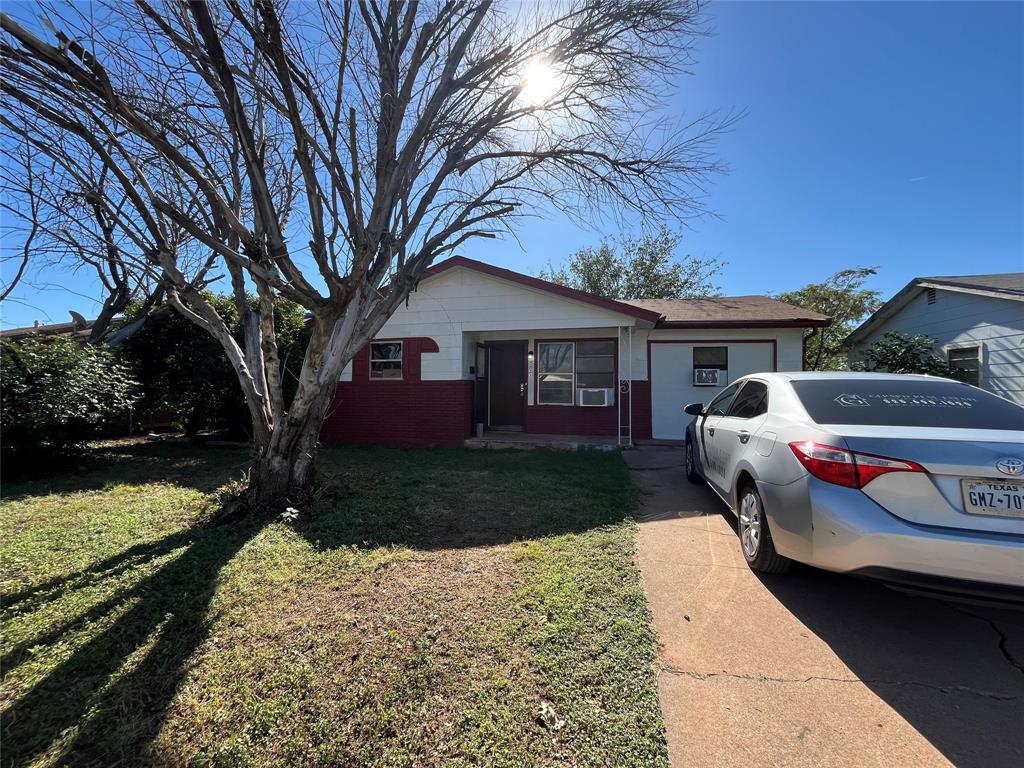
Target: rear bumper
{"points": [[848, 532]]}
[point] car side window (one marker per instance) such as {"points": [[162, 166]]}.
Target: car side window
{"points": [[721, 404], [752, 401]]}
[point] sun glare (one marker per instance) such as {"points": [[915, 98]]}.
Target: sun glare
{"points": [[540, 82]]}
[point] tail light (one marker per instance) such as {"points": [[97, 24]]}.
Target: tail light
{"points": [[849, 468]]}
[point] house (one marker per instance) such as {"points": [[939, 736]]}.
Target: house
{"points": [[977, 321], [477, 344], [78, 328]]}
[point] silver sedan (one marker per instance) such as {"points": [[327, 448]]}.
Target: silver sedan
{"points": [[916, 480]]}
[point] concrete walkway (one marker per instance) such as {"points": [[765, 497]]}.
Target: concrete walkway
{"points": [[811, 668]]}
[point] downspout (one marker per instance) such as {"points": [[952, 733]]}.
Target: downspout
{"points": [[803, 350]]}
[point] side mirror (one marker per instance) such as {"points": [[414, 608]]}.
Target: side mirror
{"points": [[694, 409]]}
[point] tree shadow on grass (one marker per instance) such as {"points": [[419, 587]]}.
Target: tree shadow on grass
{"points": [[105, 702], [178, 463], [116, 687]]}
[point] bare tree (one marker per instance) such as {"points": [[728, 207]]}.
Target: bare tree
{"points": [[66, 214], [329, 152]]}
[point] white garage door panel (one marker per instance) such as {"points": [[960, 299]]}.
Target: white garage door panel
{"points": [[672, 381]]}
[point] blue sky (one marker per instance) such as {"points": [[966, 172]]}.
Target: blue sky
{"points": [[876, 134]]}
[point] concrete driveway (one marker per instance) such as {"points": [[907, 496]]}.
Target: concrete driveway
{"points": [[811, 668]]}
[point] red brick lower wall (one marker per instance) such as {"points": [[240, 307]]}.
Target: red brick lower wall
{"points": [[400, 413], [575, 420], [641, 410], [570, 420], [440, 413]]}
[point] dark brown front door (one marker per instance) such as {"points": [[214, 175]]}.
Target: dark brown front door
{"points": [[506, 378]]}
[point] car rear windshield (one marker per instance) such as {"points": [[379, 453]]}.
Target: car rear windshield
{"points": [[906, 403]]}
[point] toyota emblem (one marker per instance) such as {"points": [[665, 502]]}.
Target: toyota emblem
{"points": [[1010, 466]]}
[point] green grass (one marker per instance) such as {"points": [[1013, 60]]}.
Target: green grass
{"points": [[420, 614]]}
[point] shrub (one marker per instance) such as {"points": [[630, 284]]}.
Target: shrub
{"points": [[184, 371], [57, 394], [897, 352]]}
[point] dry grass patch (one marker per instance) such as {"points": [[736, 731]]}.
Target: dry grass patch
{"points": [[420, 616]]}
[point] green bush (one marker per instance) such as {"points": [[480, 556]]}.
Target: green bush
{"points": [[185, 373], [56, 395], [899, 352]]}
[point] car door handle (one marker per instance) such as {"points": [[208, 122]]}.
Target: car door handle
{"points": [[711, 431], [743, 436]]}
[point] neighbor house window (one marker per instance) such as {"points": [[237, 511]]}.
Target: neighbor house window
{"points": [[386, 360], [965, 364], [566, 366]]}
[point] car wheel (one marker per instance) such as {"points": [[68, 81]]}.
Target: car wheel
{"points": [[691, 464], [755, 538]]}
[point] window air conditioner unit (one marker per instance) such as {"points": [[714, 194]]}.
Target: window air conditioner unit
{"points": [[708, 377], [595, 397]]}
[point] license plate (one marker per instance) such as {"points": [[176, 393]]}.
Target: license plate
{"points": [[1004, 498]]}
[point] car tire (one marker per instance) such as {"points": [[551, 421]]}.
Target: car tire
{"points": [[755, 538], [691, 464]]}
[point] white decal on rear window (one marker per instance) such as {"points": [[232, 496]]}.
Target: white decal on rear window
{"points": [[852, 401], [925, 401]]}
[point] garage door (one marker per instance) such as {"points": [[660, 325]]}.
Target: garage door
{"points": [[672, 378]]}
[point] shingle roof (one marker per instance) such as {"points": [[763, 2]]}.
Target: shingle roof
{"points": [[1008, 282], [722, 311], [1004, 286]]}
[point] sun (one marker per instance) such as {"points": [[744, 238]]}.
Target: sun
{"points": [[540, 82]]}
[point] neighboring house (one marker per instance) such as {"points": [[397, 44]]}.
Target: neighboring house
{"points": [[977, 320], [78, 328], [476, 344]]}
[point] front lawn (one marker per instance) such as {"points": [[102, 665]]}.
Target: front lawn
{"points": [[423, 613]]}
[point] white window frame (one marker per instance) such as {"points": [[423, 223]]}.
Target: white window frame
{"points": [[572, 373], [613, 372], [979, 345], [401, 360]]}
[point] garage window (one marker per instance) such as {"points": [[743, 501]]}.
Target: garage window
{"points": [[709, 366], [386, 360]]}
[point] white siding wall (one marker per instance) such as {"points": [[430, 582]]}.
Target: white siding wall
{"points": [[461, 307], [789, 343], [958, 318], [462, 301], [749, 351]]}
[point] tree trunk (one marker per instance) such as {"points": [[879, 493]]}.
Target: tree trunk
{"points": [[285, 470], [284, 474]]}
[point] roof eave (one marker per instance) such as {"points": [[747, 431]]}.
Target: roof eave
{"points": [[884, 312], [805, 323], [996, 293]]}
